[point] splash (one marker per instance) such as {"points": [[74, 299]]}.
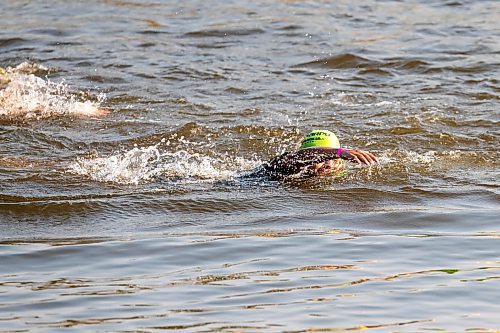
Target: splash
{"points": [[426, 158], [132, 167], [29, 96], [365, 100], [145, 164], [398, 166]]}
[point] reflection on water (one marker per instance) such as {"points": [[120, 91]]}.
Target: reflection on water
{"points": [[127, 129], [352, 281]]}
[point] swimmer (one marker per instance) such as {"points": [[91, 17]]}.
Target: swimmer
{"points": [[319, 154]]}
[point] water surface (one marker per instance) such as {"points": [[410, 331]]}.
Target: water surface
{"points": [[126, 128]]}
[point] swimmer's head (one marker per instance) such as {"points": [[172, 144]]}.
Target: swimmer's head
{"points": [[320, 138]]}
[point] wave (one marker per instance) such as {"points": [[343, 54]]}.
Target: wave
{"points": [[190, 162], [23, 94], [224, 32], [392, 65], [145, 164], [339, 61]]}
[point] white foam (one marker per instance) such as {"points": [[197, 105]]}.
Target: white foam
{"points": [[144, 164], [26, 95], [132, 167], [27, 68], [344, 99], [425, 158]]}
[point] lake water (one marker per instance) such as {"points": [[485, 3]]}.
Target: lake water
{"points": [[126, 128]]}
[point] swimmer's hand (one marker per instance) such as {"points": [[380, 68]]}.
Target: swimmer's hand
{"points": [[359, 156]]}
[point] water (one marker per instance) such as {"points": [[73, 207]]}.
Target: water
{"points": [[127, 128]]}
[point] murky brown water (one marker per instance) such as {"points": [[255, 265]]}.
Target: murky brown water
{"points": [[127, 128]]}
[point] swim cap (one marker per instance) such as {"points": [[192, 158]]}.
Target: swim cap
{"points": [[3, 76], [320, 138]]}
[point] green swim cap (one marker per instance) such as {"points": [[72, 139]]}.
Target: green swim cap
{"points": [[320, 138], [3, 76]]}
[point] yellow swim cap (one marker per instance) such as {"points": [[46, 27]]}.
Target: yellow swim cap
{"points": [[3, 76], [320, 138]]}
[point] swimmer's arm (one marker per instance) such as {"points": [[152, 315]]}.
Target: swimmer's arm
{"points": [[355, 155]]}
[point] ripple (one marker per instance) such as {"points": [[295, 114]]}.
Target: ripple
{"points": [[177, 73], [51, 32], [104, 79], [5, 42], [224, 32], [340, 61]]}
